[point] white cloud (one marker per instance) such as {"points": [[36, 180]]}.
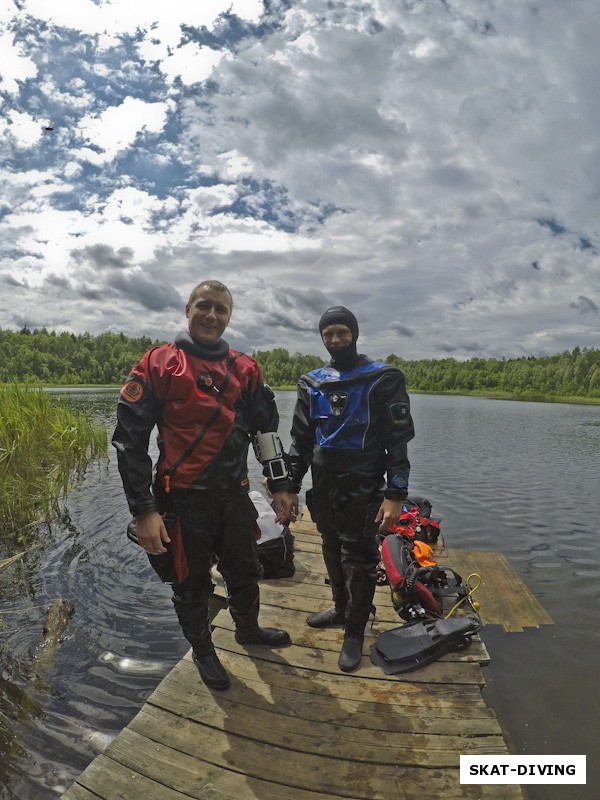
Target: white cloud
{"points": [[116, 128], [16, 66], [129, 16], [249, 236], [208, 198], [434, 167], [131, 205], [23, 128], [191, 63]]}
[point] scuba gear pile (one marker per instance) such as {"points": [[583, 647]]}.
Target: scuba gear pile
{"points": [[424, 594], [418, 585], [416, 521]]}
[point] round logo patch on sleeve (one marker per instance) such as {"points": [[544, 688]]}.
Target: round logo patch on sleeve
{"points": [[132, 391]]}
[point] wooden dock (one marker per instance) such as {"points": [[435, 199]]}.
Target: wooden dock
{"points": [[293, 727]]}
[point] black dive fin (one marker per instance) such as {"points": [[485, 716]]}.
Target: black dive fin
{"points": [[419, 643]]}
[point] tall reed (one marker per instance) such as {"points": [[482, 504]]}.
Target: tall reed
{"points": [[43, 443]]}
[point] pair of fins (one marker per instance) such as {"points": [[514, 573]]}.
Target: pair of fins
{"points": [[419, 643]]}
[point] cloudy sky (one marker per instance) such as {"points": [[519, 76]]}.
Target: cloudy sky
{"points": [[432, 164]]}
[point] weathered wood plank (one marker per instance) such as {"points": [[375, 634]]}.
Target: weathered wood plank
{"points": [[107, 779], [505, 599], [78, 792], [173, 755], [308, 738], [466, 697], [269, 723], [447, 719], [151, 776]]}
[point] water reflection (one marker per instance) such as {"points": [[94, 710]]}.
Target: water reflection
{"points": [[520, 478]]}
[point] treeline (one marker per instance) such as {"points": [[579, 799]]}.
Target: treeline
{"points": [[64, 359], [279, 368], [569, 374], [573, 374], [60, 359]]}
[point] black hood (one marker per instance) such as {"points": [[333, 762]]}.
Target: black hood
{"points": [[340, 315], [210, 352]]}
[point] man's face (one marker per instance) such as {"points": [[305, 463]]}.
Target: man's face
{"points": [[336, 336], [208, 316]]}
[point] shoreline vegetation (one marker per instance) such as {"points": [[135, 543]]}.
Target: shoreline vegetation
{"points": [[523, 397], [47, 358], [44, 445]]}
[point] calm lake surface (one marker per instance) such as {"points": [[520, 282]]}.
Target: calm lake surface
{"points": [[519, 478]]}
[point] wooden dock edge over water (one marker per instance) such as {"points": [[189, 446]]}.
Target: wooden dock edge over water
{"points": [[293, 727]]}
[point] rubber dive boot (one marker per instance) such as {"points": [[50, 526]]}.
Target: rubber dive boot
{"points": [[351, 653], [336, 615], [211, 671], [271, 637], [193, 618], [244, 604], [326, 619]]}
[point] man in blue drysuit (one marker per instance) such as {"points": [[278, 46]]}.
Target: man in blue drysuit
{"points": [[351, 425]]}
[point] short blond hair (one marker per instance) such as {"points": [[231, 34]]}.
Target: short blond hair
{"points": [[214, 286]]}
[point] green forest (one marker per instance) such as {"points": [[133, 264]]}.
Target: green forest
{"points": [[48, 358]]}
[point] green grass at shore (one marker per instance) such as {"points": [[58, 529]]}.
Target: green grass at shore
{"points": [[43, 444], [492, 395], [522, 397], [525, 396]]}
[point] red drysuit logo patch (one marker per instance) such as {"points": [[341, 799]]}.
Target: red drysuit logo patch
{"points": [[132, 391]]}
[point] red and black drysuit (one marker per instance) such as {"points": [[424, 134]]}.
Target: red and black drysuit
{"points": [[351, 425], [208, 402]]}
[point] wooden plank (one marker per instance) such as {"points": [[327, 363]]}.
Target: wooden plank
{"points": [[173, 755], [452, 716], [78, 792], [273, 720], [151, 777], [304, 515], [379, 690], [264, 726], [107, 779], [505, 599]]}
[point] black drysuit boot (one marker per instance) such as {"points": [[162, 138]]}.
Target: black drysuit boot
{"points": [[337, 614], [326, 619], [351, 652], [211, 670], [243, 606], [193, 618], [360, 586]]}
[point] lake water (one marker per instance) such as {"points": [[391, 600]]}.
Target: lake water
{"points": [[519, 478]]}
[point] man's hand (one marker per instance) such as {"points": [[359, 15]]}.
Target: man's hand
{"points": [[388, 514], [151, 533], [285, 506]]}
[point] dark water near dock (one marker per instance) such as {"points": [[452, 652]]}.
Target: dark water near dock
{"points": [[519, 478]]}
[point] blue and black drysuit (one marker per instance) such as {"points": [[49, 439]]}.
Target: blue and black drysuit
{"points": [[351, 426]]}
